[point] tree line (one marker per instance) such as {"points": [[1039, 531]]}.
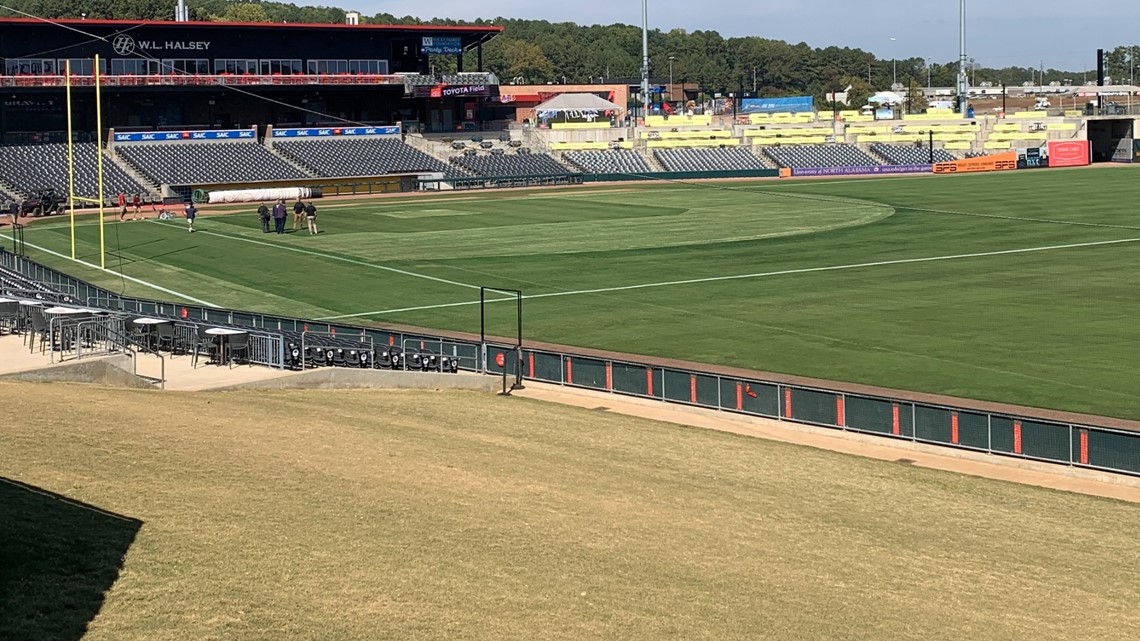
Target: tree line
{"points": [[537, 51]]}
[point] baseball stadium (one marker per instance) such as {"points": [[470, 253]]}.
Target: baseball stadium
{"points": [[328, 331]]}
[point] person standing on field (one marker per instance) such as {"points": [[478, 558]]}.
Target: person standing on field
{"points": [[311, 217], [191, 214], [263, 216], [279, 215], [298, 214], [122, 205]]}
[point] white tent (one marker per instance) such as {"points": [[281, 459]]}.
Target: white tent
{"points": [[886, 98], [577, 102]]}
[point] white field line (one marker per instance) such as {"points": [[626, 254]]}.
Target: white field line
{"points": [[785, 272], [130, 278], [333, 257]]}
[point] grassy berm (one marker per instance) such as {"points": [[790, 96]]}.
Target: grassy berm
{"points": [[420, 515]]}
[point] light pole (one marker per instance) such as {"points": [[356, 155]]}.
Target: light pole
{"points": [[928, 85], [671, 58], [644, 59], [894, 67]]}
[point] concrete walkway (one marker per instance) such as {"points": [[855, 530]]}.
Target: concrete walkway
{"points": [[179, 374]]}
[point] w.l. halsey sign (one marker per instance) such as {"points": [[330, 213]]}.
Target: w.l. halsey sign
{"points": [[125, 45]]}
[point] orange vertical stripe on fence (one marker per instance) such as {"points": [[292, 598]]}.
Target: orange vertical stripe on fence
{"points": [[692, 388], [954, 427], [609, 376], [840, 412], [739, 396], [787, 402], [391, 340], [1017, 437], [895, 428], [1084, 447], [649, 381], [530, 364], [569, 371]]}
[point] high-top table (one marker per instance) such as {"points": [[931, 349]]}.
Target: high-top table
{"points": [[223, 334]]}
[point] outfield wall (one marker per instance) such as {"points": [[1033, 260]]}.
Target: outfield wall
{"points": [[1077, 440]]}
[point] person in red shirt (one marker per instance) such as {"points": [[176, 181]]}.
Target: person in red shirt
{"points": [[122, 206]]}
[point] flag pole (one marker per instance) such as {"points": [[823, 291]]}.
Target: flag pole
{"points": [[70, 158], [99, 161]]}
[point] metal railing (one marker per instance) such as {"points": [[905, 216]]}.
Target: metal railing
{"points": [[1024, 436]]}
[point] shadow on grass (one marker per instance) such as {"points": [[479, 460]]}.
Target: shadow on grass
{"points": [[58, 558]]}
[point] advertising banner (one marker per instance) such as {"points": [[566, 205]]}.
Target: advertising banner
{"points": [[1069, 153], [455, 91], [441, 45], [151, 136], [1032, 158], [794, 104], [857, 171], [326, 132], [994, 162]]}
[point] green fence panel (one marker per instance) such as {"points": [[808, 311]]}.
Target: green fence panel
{"points": [[813, 407], [588, 372], [906, 419], [932, 424], [760, 399], [708, 391], [868, 414], [510, 360], [1113, 450], [1001, 434], [1048, 441], [974, 430], [658, 383], [547, 367], [677, 386], [631, 379]]}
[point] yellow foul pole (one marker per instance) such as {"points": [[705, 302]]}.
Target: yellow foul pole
{"points": [[99, 161], [70, 158]]}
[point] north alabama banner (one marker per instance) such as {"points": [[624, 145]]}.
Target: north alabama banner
{"points": [[994, 162]]}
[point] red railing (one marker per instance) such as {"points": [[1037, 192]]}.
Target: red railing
{"points": [[182, 80]]}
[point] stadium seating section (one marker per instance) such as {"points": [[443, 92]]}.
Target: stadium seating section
{"points": [[910, 154], [715, 159], [360, 157], [30, 167], [206, 163], [616, 161], [804, 156], [502, 166]]}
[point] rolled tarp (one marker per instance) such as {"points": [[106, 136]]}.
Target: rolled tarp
{"points": [[262, 194]]}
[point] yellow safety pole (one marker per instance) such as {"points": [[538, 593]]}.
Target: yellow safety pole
{"points": [[70, 158], [99, 161]]}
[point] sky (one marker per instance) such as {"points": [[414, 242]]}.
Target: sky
{"points": [[1061, 34]]}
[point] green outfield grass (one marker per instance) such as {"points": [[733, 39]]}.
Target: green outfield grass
{"points": [[1011, 287]]}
